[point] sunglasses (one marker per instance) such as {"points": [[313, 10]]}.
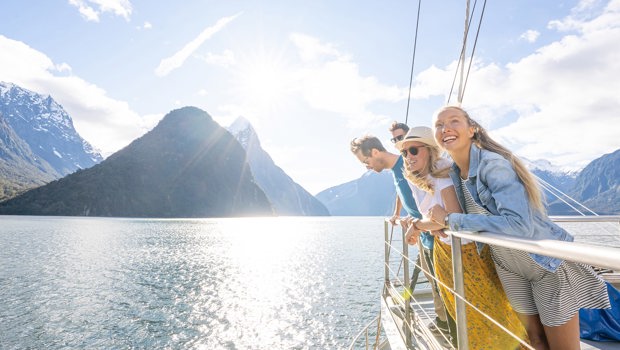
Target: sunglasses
{"points": [[413, 150], [397, 138]]}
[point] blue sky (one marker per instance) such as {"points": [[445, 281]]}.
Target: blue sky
{"points": [[311, 75]]}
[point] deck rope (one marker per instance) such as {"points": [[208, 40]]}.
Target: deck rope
{"points": [[451, 290]]}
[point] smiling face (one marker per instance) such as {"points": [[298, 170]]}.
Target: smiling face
{"points": [[452, 130], [416, 163]]}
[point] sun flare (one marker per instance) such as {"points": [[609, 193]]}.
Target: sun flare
{"points": [[264, 82]]}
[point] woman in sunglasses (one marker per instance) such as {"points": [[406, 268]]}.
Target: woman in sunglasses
{"points": [[427, 173], [500, 195]]}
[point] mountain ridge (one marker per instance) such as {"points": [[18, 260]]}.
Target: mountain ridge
{"points": [[187, 166], [601, 195], [287, 196], [38, 142]]}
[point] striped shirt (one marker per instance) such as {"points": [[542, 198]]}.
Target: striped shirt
{"points": [[555, 297], [471, 207]]}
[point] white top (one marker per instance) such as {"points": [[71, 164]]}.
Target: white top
{"points": [[425, 201]]}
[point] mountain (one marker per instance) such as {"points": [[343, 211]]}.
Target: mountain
{"points": [[598, 186], [552, 175], [187, 166], [555, 182], [287, 197], [20, 169], [38, 141], [373, 194]]}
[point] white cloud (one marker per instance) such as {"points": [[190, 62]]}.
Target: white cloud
{"points": [[225, 59], [91, 9], [176, 60], [530, 36], [312, 49], [331, 81], [559, 103], [146, 26], [106, 123], [63, 67]]}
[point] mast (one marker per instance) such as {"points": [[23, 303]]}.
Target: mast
{"points": [[462, 58]]}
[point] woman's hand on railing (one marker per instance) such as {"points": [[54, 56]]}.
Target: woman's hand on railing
{"points": [[439, 233], [438, 214], [413, 232]]}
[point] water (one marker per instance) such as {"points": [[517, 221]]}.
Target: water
{"points": [[255, 283], [267, 283]]}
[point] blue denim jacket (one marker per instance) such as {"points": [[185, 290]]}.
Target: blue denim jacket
{"points": [[495, 186]]}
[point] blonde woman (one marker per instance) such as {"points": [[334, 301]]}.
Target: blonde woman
{"points": [[430, 184], [500, 195]]}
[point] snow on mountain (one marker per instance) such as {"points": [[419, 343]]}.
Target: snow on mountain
{"points": [[47, 129], [287, 197], [243, 131], [546, 166]]}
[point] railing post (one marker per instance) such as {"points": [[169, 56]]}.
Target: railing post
{"points": [[386, 247], [408, 318], [459, 287]]}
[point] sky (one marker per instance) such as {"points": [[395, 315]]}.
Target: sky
{"points": [[312, 75]]}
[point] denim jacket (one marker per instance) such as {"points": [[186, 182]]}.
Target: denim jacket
{"points": [[494, 185]]}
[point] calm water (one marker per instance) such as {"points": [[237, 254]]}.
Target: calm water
{"points": [[268, 283]]}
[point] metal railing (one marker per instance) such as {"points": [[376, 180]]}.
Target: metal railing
{"points": [[599, 256], [595, 255]]}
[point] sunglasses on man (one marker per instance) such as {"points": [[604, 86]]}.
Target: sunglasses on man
{"points": [[397, 138], [414, 150]]}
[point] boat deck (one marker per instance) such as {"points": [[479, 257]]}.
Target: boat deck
{"points": [[405, 324], [425, 312]]}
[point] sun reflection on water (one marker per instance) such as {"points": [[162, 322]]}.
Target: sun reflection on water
{"points": [[253, 283], [271, 256]]}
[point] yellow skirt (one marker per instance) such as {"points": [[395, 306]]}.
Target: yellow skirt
{"points": [[483, 289]]}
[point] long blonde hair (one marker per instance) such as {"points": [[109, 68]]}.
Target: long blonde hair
{"points": [[431, 169], [482, 139]]}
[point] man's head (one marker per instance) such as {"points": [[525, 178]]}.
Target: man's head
{"points": [[420, 134], [398, 131], [369, 150]]}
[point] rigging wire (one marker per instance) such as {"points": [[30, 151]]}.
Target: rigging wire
{"points": [[572, 203], [415, 44], [462, 53], [558, 194], [461, 62], [450, 289], [462, 58], [549, 188], [471, 58]]}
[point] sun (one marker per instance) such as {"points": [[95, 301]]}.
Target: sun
{"points": [[264, 81]]}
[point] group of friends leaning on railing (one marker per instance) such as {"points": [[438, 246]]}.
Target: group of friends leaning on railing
{"points": [[482, 186]]}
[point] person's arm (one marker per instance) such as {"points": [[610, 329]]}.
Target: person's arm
{"points": [[513, 215], [451, 204], [397, 208]]}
